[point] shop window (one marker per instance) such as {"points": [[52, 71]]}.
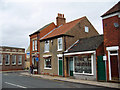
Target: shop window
{"points": [[83, 64]]}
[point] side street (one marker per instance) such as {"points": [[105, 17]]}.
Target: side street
{"points": [[66, 55]]}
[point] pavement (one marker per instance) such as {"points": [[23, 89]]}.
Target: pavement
{"points": [[67, 79]]}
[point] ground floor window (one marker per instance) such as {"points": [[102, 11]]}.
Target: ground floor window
{"points": [[83, 64], [48, 63], [1, 59], [7, 59], [19, 59], [13, 59]]}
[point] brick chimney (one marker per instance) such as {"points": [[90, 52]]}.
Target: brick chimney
{"points": [[60, 19]]}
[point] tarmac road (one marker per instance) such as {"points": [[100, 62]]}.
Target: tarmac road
{"points": [[16, 80]]}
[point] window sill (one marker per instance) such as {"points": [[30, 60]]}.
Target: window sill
{"points": [[47, 68], [13, 64], [7, 64], [19, 64], [46, 52], [0, 64], [83, 74], [59, 50]]}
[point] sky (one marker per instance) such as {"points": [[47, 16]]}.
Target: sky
{"points": [[20, 18]]}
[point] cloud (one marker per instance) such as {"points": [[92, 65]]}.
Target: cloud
{"points": [[19, 18]]}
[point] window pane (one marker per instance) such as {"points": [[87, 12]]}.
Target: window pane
{"points": [[48, 63], [1, 59], [59, 43], [86, 29], [20, 59], [83, 64], [7, 58], [13, 59], [46, 46], [33, 45]]}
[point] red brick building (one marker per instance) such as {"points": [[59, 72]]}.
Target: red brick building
{"points": [[111, 29], [11, 58], [35, 44]]}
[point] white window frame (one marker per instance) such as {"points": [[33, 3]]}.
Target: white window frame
{"points": [[8, 59], [35, 44], [45, 50], [86, 29], [15, 59], [20, 56], [1, 59], [60, 49], [45, 64], [92, 59]]}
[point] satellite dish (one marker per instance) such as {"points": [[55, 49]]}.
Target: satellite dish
{"points": [[116, 25]]}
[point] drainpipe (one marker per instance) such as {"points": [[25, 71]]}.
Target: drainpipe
{"points": [[63, 55]]}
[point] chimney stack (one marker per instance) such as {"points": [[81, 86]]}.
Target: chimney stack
{"points": [[60, 19]]}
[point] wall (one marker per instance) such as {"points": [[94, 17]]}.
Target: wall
{"points": [[111, 36], [11, 52]]}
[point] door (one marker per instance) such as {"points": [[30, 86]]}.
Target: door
{"points": [[101, 70], [114, 67], [60, 68], [71, 67]]}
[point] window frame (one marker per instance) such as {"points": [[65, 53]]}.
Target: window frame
{"points": [[92, 71], [1, 59], [45, 63], [86, 29], [60, 49], [8, 59], [46, 45], [14, 59], [21, 59]]}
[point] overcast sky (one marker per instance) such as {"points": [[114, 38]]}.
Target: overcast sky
{"points": [[19, 18]]}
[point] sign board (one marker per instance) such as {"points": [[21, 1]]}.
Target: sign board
{"points": [[104, 58], [37, 59]]}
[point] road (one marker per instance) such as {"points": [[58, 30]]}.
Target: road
{"points": [[16, 80]]}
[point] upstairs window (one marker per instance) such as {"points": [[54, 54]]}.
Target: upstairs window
{"points": [[86, 29], [19, 59], [47, 46], [60, 44], [1, 59], [13, 59], [7, 59], [33, 43]]}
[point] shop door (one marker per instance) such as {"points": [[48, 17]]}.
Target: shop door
{"points": [[71, 67], [60, 68], [114, 67], [101, 72]]}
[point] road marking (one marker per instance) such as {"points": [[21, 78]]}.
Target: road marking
{"points": [[15, 85]]}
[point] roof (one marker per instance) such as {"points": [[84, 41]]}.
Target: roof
{"points": [[87, 44], [61, 30], [40, 29], [114, 9], [11, 47]]}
